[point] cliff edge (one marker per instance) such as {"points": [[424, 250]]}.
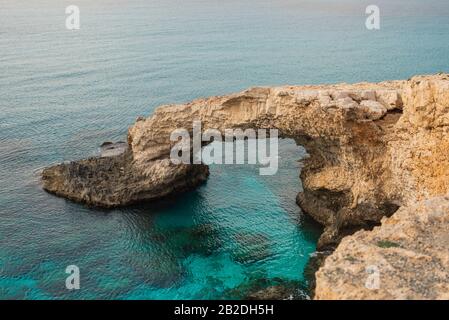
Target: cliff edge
{"points": [[405, 258], [373, 148]]}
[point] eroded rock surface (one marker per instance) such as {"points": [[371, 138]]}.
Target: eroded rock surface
{"points": [[111, 149], [372, 147], [112, 181], [410, 252]]}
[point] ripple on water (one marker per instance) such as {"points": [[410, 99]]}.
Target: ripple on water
{"points": [[63, 95]]}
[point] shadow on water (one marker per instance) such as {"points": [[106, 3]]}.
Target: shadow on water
{"points": [[199, 244], [236, 234], [223, 237]]}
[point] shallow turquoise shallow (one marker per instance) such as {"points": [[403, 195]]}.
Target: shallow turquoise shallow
{"points": [[63, 93]]}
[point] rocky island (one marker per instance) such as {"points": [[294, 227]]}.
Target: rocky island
{"points": [[376, 176]]}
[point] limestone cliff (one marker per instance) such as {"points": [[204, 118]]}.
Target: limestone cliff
{"points": [[410, 249], [409, 253], [372, 147]]}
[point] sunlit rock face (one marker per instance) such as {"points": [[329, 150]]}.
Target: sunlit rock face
{"points": [[407, 257], [372, 147]]}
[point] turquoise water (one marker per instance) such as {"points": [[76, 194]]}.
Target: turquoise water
{"points": [[63, 93]]}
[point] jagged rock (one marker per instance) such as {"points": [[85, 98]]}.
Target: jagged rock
{"points": [[315, 262], [110, 149], [372, 147], [115, 181], [410, 252], [263, 288]]}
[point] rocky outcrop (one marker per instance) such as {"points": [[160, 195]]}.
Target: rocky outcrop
{"points": [[372, 148], [110, 149], [405, 258], [344, 129], [113, 181]]}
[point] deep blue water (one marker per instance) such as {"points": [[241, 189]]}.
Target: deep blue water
{"points": [[63, 93]]}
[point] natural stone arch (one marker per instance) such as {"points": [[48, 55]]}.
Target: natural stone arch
{"points": [[337, 127], [353, 134]]}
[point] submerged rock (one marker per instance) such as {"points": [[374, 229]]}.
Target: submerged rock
{"points": [[262, 288], [278, 292], [251, 248]]}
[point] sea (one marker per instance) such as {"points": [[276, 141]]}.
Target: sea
{"points": [[64, 92]]}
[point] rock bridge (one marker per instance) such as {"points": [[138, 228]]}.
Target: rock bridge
{"points": [[372, 148]]}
